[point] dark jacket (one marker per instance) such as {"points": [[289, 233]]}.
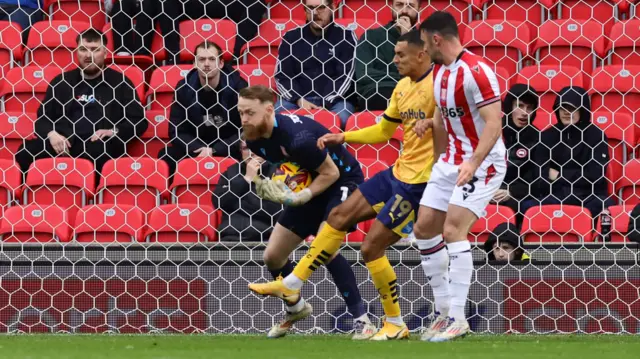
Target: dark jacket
{"points": [[116, 93], [505, 233], [245, 217], [374, 60], [310, 65], [187, 117], [579, 152], [522, 171]]}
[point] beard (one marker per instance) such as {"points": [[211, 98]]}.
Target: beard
{"points": [[412, 20], [252, 133]]}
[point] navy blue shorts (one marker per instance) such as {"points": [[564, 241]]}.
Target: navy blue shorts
{"points": [[305, 220], [396, 202]]}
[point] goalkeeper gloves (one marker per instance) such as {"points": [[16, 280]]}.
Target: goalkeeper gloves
{"points": [[278, 192]]}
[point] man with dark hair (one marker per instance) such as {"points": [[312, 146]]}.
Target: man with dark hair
{"points": [[204, 118], [323, 79], [505, 244], [376, 74], [90, 112]]}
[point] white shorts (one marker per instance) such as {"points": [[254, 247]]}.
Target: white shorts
{"points": [[475, 195]]}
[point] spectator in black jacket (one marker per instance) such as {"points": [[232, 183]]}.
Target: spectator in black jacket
{"points": [[204, 117], [505, 245], [90, 112], [573, 157], [521, 139], [245, 216]]}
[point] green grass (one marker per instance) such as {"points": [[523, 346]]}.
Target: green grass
{"points": [[313, 347]]}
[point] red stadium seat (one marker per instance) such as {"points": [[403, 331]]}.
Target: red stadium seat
{"points": [[549, 80], [33, 223], [462, 10], [360, 233], [196, 178], [625, 39], [377, 10], [619, 222], [106, 223], [386, 152], [544, 120], [556, 224], [194, 32], [184, 223], [136, 76], [162, 87], [577, 43], [258, 75], [372, 166], [141, 61], [52, 43], [360, 26], [263, 49], [602, 11], [10, 46], [533, 12], [328, 119], [10, 181], [25, 87], [14, 129], [90, 11], [629, 183], [503, 43], [135, 181], [483, 227], [62, 181], [620, 131], [615, 90], [287, 9], [154, 139]]}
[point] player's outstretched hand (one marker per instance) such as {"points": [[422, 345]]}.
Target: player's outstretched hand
{"points": [[422, 126], [330, 139], [465, 173]]}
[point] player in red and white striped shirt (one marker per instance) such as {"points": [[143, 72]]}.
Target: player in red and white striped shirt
{"points": [[467, 129]]}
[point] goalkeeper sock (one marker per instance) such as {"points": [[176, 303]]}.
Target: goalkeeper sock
{"points": [[435, 264], [326, 243], [282, 272], [386, 282], [460, 272], [345, 280]]}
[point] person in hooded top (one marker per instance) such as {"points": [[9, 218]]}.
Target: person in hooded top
{"points": [[573, 157], [505, 245], [521, 139]]}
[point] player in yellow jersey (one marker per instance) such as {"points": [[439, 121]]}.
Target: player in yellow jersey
{"points": [[392, 196]]}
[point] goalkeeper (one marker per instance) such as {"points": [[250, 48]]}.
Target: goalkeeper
{"points": [[392, 196], [289, 138]]}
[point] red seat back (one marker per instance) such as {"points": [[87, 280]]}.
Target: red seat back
{"points": [[619, 222], [33, 223], [89, 11], [484, 226], [10, 181], [106, 223], [263, 49], [194, 32], [154, 139], [52, 43], [386, 152], [196, 178], [549, 80], [10, 46], [557, 224], [258, 75], [162, 86], [629, 183], [503, 43], [14, 129], [136, 76], [625, 39], [25, 87], [185, 223]]}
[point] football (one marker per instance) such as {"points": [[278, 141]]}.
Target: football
{"points": [[293, 176]]}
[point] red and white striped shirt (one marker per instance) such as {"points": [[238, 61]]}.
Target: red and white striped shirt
{"points": [[460, 89]]}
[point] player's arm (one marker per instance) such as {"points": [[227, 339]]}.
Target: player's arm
{"points": [[327, 174], [491, 114], [440, 135], [380, 132]]}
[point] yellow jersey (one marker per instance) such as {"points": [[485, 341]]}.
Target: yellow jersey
{"points": [[412, 101]]}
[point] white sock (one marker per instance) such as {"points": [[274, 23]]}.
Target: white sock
{"points": [[460, 272], [292, 282], [395, 320], [363, 318], [296, 307], [435, 263]]}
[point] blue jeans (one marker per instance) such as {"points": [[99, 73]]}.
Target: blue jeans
{"points": [[342, 108], [23, 16]]}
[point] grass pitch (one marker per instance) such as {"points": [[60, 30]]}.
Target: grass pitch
{"points": [[313, 347]]}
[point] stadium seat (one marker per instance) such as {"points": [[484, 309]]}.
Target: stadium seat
{"points": [[142, 61], [604, 12], [194, 32], [34, 223], [263, 49], [24, 87], [462, 10], [258, 75], [483, 227], [557, 224], [619, 222], [372, 166], [154, 139], [577, 43], [533, 12], [504, 79], [501, 42], [184, 223], [106, 223], [162, 86], [14, 129], [52, 43], [89, 11], [549, 80], [141, 182], [386, 152], [359, 26], [287, 9], [136, 76], [378, 10], [62, 181], [10, 46], [10, 181], [544, 120], [360, 233], [196, 178], [625, 39], [620, 131], [615, 90], [629, 184], [328, 119]]}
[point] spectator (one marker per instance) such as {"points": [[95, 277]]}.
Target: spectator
{"points": [[573, 157], [376, 74], [315, 64], [521, 139], [504, 244], [90, 112], [22, 12], [245, 216], [204, 118]]}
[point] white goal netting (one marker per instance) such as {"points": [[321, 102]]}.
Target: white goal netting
{"points": [[149, 246]]}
